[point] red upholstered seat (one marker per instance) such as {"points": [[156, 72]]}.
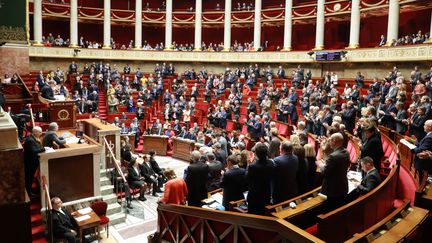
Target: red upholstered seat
{"points": [[283, 130], [313, 229], [100, 208], [229, 126], [104, 220]]}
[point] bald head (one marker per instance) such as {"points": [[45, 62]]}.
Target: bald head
{"points": [[336, 140], [428, 126]]}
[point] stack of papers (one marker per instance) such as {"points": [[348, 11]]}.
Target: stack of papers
{"points": [[82, 218], [408, 144], [85, 211]]}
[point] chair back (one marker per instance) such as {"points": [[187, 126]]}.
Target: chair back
{"points": [[99, 207]]}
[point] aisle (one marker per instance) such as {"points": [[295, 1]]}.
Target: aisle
{"points": [[142, 219]]}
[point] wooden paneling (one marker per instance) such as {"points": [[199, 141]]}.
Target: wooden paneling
{"points": [[71, 178], [156, 143]]}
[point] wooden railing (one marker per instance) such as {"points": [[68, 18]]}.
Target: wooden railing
{"points": [[399, 226], [177, 223], [340, 224]]}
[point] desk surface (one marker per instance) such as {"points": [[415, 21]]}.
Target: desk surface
{"points": [[98, 124], [91, 222], [304, 206]]}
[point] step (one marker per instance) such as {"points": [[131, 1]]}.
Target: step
{"points": [[114, 208], [106, 190], [35, 208], [117, 218], [104, 181], [38, 232], [110, 198], [36, 219], [103, 172]]}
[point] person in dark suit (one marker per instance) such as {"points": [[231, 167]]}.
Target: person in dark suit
{"points": [[259, 176], [281, 73], [349, 117], [387, 119], [251, 106], [32, 148], [215, 167], [417, 123], [371, 179], [420, 161], [47, 91], [401, 117], [233, 182], [275, 143], [64, 225], [135, 180], [150, 176], [51, 137], [196, 179], [372, 146], [334, 172], [285, 174]]}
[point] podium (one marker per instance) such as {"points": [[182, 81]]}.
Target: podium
{"points": [[62, 112], [182, 148], [156, 143]]}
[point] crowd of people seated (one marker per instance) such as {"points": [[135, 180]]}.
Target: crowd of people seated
{"points": [[411, 39]]}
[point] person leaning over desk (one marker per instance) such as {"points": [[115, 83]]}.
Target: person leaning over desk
{"points": [[51, 137]]}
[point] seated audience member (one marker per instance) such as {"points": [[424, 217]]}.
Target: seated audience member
{"points": [[51, 137], [196, 179], [135, 179], [285, 173], [154, 164], [334, 172], [150, 176], [233, 182], [64, 225], [175, 189], [259, 176], [371, 179]]}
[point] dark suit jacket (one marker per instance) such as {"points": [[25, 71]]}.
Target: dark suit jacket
{"points": [[285, 178], [63, 223], [32, 148], [234, 184], [133, 175], [335, 182], [259, 176], [274, 148], [401, 127], [424, 144], [369, 182], [416, 127], [373, 148], [47, 92], [196, 180], [51, 137]]}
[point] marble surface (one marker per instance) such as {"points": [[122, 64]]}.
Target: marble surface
{"points": [[14, 59]]}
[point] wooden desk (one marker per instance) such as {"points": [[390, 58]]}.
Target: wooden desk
{"points": [[182, 148], [92, 222], [154, 142], [305, 205]]}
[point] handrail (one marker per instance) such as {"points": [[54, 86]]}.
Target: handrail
{"points": [[46, 192], [25, 86], [31, 115], [116, 161]]}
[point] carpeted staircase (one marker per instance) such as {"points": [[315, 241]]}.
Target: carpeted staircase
{"points": [[102, 106]]}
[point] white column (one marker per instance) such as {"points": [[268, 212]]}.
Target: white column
{"points": [[288, 25], [257, 25], [320, 22], [107, 25], [227, 26], [393, 21], [168, 25], [37, 22], [73, 23], [138, 24], [354, 41], [198, 24]]}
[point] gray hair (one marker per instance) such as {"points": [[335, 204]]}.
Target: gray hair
{"points": [[52, 126], [36, 129], [195, 155]]}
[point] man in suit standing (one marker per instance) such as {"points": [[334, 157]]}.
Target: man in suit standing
{"points": [[401, 118], [196, 180], [274, 143], [64, 225], [334, 171], [420, 161], [349, 116], [233, 182], [372, 147], [51, 137], [284, 180], [32, 147], [371, 179], [281, 73]]}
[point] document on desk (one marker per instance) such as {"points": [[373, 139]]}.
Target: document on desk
{"points": [[72, 140], [408, 144], [82, 218], [85, 211], [217, 197]]}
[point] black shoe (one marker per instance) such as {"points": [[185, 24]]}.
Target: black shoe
{"points": [[129, 206], [142, 199], [155, 194], [159, 190]]}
